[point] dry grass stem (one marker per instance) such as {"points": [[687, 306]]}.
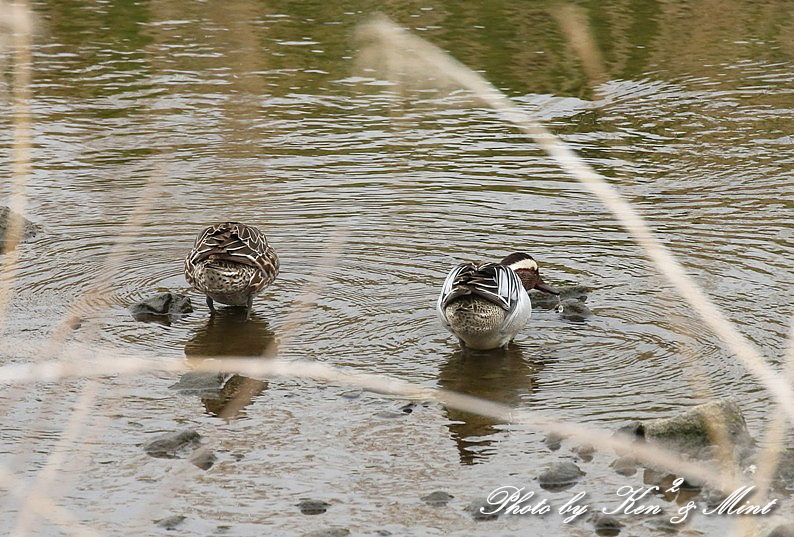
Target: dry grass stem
{"points": [[17, 20], [774, 437], [81, 361], [573, 22]]}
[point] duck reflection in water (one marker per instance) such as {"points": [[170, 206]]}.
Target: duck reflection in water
{"points": [[502, 376], [230, 332]]}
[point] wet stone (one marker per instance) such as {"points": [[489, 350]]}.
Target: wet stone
{"points": [[584, 452], [661, 524], [170, 523], [783, 479], [328, 532], [560, 476], [203, 458], [201, 383], [784, 530], [692, 431], [605, 525], [437, 498], [553, 441], [173, 445], [625, 465], [481, 511], [7, 217], [313, 507], [164, 307]]}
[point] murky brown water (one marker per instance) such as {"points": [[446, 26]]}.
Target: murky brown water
{"points": [[370, 192]]}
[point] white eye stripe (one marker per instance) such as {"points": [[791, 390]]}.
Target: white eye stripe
{"points": [[528, 264]]}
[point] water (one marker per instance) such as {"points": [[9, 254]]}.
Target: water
{"points": [[153, 119]]}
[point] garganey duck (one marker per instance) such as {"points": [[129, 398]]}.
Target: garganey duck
{"points": [[230, 263], [486, 305]]}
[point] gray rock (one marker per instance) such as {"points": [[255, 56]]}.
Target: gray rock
{"points": [[174, 445], [163, 307], [784, 476], [695, 430], [560, 476], [659, 525], [584, 452], [438, 498], [477, 507], [605, 525], [170, 523], [553, 441], [625, 465], [206, 383], [313, 507], [203, 457], [7, 216], [784, 530], [328, 532]]}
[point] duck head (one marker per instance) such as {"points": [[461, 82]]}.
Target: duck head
{"points": [[527, 269]]}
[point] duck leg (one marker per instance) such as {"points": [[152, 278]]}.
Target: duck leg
{"points": [[249, 304], [210, 305]]}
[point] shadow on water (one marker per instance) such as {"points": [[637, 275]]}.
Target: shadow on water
{"points": [[229, 332], [503, 376]]}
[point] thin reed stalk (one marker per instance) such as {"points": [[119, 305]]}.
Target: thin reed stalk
{"points": [[80, 361], [18, 21]]}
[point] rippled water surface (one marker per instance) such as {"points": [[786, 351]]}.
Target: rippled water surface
{"points": [[152, 119]]}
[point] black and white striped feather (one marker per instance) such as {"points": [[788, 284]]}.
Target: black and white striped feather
{"points": [[492, 281]]}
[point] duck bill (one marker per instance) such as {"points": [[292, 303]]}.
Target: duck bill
{"points": [[546, 288]]}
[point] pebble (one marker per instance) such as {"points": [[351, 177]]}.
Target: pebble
{"points": [[170, 523], [438, 498], [560, 476], [173, 445], [313, 507]]}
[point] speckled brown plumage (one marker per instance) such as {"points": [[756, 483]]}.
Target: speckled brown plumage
{"points": [[230, 263]]}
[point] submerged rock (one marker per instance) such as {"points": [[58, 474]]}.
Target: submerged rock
{"points": [[553, 441], [203, 458], [313, 507], [7, 217], [204, 383], [481, 510], [162, 307], [605, 525], [784, 530], [625, 465], [438, 498], [560, 476], [698, 429], [329, 532], [170, 523], [783, 479], [174, 445], [222, 394], [584, 452]]}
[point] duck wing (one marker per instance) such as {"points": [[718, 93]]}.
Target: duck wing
{"points": [[491, 281], [239, 243]]}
